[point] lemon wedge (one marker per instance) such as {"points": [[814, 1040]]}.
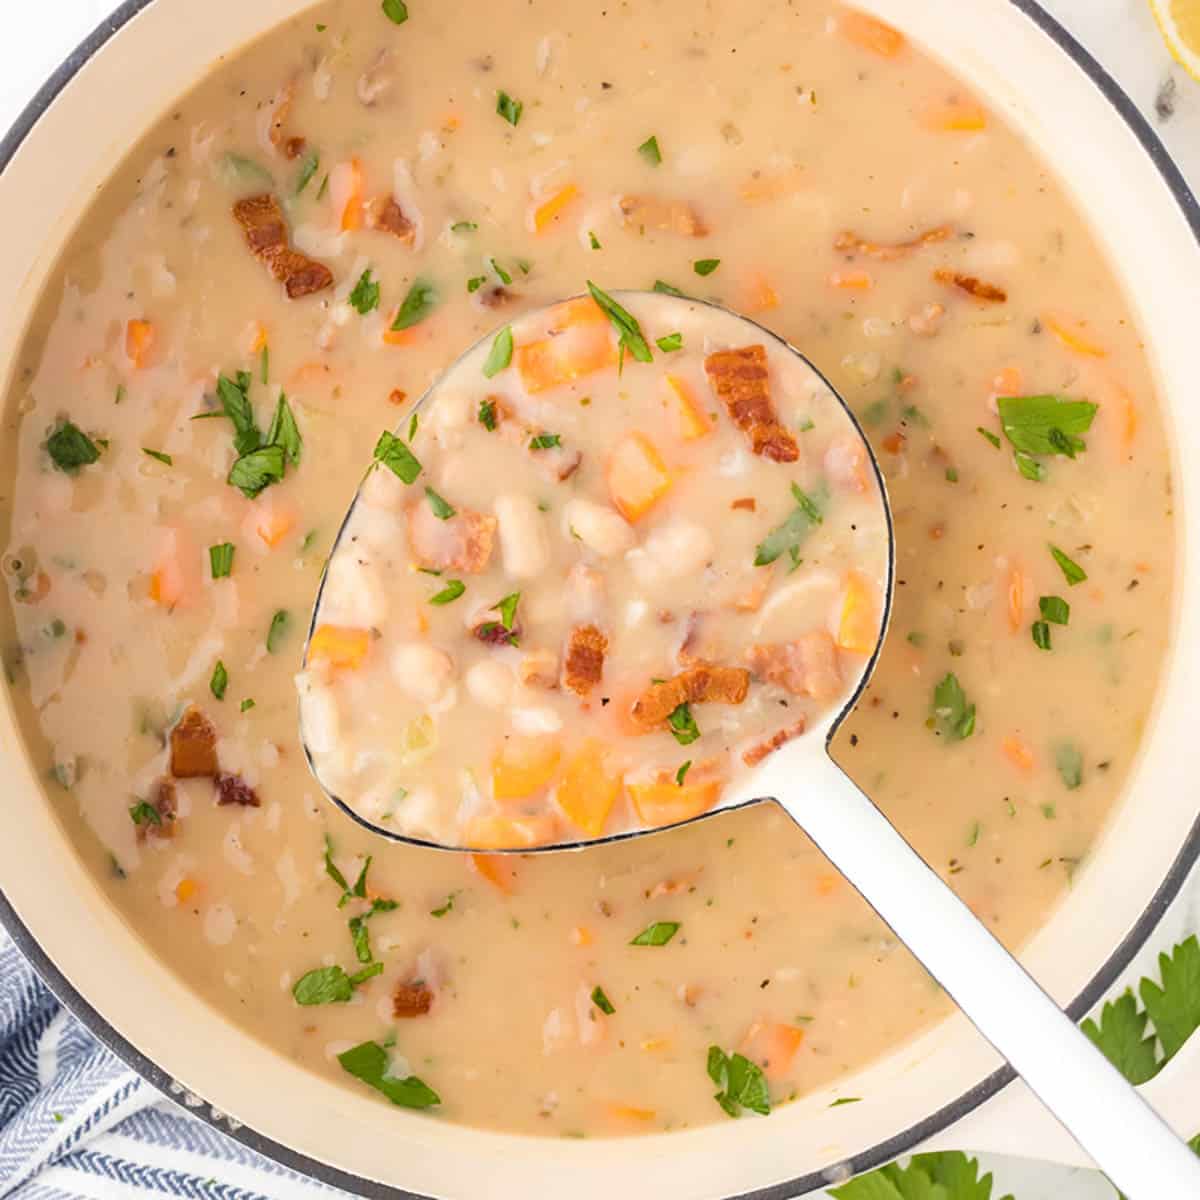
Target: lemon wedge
{"points": [[1179, 21]]}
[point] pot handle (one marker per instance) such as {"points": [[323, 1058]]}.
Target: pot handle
{"points": [[1015, 1123]]}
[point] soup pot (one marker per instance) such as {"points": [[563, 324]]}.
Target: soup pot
{"points": [[947, 1087]]}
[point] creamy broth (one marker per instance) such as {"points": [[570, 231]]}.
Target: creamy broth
{"points": [[854, 197]]}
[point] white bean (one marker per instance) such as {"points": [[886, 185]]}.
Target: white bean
{"points": [[523, 540], [353, 594], [674, 550], [491, 683], [423, 671], [533, 721], [383, 489], [599, 527], [318, 714]]}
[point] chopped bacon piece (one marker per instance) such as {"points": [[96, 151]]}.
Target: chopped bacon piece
{"points": [[233, 789], [583, 663], [397, 397], [462, 543], [760, 750], [166, 804], [495, 297], [386, 215], [266, 233], [539, 668], [283, 107], [739, 377], [669, 216], [411, 1000], [852, 244], [806, 667], [294, 147], [974, 287], [193, 746], [493, 633], [701, 684], [748, 503]]}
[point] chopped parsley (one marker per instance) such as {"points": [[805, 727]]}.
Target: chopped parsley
{"points": [[264, 364], [1069, 762], [666, 289], [742, 1084], [159, 456], [443, 909], [234, 395], [257, 469], [70, 448], [358, 925], [545, 441], [397, 457], [1054, 609], [1046, 424], [629, 332], [219, 681], [284, 431], [142, 813], [790, 536], [463, 227], [706, 266], [309, 166], [987, 433], [396, 11], [220, 559], [441, 509], [325, 985], [509, 108], [594, 240], [501, 353], [683, 725], [246, 705], [1073, 573], [681, 774], [670, 343], [504, 277], [451, 592], [487, 414], [422, 298], [953, 717], [507, 608], [602, 1002], [475, 283], [657, 934], [1029, 467], [1041, 635], [946, 1175], [365, 297], [369, 1061], [277, 631], [650, 152]]}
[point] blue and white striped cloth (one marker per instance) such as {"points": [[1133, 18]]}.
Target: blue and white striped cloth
{"points": [[76, 1123]]}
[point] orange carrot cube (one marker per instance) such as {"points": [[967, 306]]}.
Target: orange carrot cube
{"points": [[339, 645], [637, 476], [588, 790]]}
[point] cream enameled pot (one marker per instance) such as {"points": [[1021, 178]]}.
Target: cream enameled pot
{"points": [[947, 1088]]}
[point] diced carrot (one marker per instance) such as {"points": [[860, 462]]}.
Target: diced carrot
{"points": [[772, 1046], [582, 310], [588, 789], [518, 832], [346, 191], [1016, 599], [858, 629], [630, 1112], [653, 1045], [497, 869], [524, 766], [826, 885], [411, 336], [1017, 753], [553, 362], [637, 476], [851, 281], [139, 343], [451, 122], [340, 646], [763, 187], [1008, 381], [547, 211], [956, 115], [895, 442], [693, 420], [176, 575], [760, 296], [665, 802], [1073, 337], [869, 33], [256, 337], [270, 519], [185, 889], [581, 935]]}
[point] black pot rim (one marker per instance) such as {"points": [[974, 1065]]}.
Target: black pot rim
{"points": [[877, 1155]]}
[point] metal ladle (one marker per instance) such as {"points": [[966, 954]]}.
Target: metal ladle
{"points": [[1106, 1115]]}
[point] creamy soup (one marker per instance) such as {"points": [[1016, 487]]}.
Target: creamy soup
{"points": [[293, 255], [662, 588]]}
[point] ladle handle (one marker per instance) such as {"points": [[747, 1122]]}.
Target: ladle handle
{"points": [[1124, 1136]]}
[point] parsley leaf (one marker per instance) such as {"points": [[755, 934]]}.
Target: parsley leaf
{"points": [[629, 332], [277, 631], [504, 276], [368, 1062], [219, 681], [650, 152], [1029, 467], [681, 774], [1122, 1037], [1045, 424], [284, 431], [683, 725], [365, 297], [143, 813], [987, 433], [706, 266], [256, 470], [507, 609], [463, 227], [509, 108], [1054, 609], [443, 909], [331, 869], [602, 1002], [325, 985], [948, 1175], [396, 11], [791, 534], [397, 457], [1069, 762], [1073, 573], [159, 456], [70, 448], [1041, 635], [953, 716], [422, 298], [673, 341], [475, 283], [657, 934], [234, 395], [742, 1083], [594, 240], [501, 353], [545, 441], [441, 509], [1175, 1006], [220, 559], [667, 289], [308, 168], [487, 414], [451, 592]]}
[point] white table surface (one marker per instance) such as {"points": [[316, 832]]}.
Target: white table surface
{"points": [[1120, 33]]}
